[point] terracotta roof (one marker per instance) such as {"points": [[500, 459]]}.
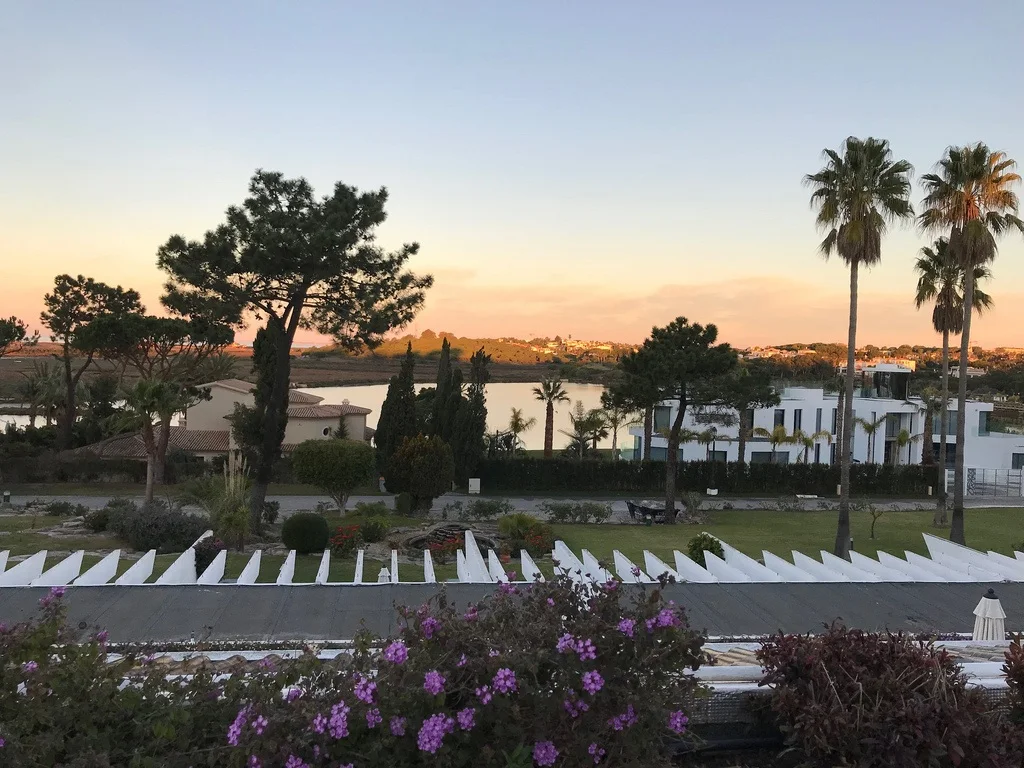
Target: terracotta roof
{"points": [[324, 411], [245, 387], [132, 447]]}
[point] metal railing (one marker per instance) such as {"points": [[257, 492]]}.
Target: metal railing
{"points": [[989, 482]]}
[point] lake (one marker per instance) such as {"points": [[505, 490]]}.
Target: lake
{"points": [[501, 399]]}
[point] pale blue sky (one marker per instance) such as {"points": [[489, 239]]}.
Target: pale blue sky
{"points": [[585, 168]]}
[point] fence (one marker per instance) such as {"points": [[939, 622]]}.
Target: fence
{"points": [[989, 482]]}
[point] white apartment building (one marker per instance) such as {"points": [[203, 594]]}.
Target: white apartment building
{"points": [[881, 394]]}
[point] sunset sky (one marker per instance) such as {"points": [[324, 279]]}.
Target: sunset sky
{"points": [[576, 168]]}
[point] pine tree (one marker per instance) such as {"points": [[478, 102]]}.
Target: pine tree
{"points": [[398, 412], [471, 420], [442, 392]]}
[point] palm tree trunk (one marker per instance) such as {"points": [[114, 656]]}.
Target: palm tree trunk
{"points": [[648, 431], [940, 503], [160, 469], [956, 528], [927, 454], [840, 420], [672, 462], [549, 429], [842, 546]]}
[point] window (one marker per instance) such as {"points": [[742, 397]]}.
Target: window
{"points": [[1018, 461], [326, 431], [719, 456], [780, 417], [832, 454], [950, 423], [835, 420], [662, 417], [798, 419], [817, 448], [817, 421], [983, 424], [760, 457]]}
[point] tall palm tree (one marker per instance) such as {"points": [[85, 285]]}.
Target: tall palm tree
{"points": [[617, 414], [549, 392], [942, 278], [859, 192], [871, 429], [776, 437], [808, 441], [971, 198], [143, 403], [903, 440], [517, 425]]}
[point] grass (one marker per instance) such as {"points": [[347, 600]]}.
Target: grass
{"points": [[749, 531]]}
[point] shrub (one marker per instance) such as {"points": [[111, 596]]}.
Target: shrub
{"points": [[404, 504], [1013, 669], [374, 529], [206, 551], [576, 511], [424, 468], [849, 697], [346, 540], [337, 467], [520, 677], [305, 532], [271, 509], [517, 525], [97, 520], [484, 509], [158, 525], [701, 543], [443, 551], [371, 509], [66, 509]]}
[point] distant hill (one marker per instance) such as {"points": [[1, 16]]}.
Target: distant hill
{"points": [[504, 350]]}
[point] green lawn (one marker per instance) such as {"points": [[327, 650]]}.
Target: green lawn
{"points": [[808, 532], [749, 531]]}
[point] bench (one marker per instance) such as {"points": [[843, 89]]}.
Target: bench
{"points": [[640, 512]]}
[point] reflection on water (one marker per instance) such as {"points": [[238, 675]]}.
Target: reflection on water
{"points": [[501, 398]]}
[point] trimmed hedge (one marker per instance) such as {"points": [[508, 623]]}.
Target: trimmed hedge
{"points": [[535, 475], [306, 533]]}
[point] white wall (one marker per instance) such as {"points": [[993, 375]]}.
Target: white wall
{"points": [[210, 414], [300, 430]]}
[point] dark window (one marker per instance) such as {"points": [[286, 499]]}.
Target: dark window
{"points": [[983, 424], [817, 420], [798, 419], [719, 456], [832, 454], [760, 457], [780, 417], [1018, 461], [662, 417], [817, 449], [835, 421]]}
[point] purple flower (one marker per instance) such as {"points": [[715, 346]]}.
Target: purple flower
{"points": [[373, 718], [635, 570], [465, 718], [626, 627], [365, 689], [266, 663], [611, 585], [293, 694], [492, 653], [149, 658], [586, 650], [566, 644], [650, 625], [259, 725], [433, 682], [507, 588], [504, 680], [398, 726], [29, 666], [319, 724], [295, 762], [592, 682], [624, 720], [2, 743], [470, 614], [235, 729], [511, 575], [432, 732], [254, 762], [429, 626], [462, 661], [544, 753], [101, 636], [596, 751], [337, 726], [574, 706], [396, 653], [667, 618], [677, 722], [551, 602], [484, 694]]}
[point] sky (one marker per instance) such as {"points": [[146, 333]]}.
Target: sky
{"points": [[589, 169]]}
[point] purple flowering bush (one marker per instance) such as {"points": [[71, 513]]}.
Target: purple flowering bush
{"points": [[540, 675]]}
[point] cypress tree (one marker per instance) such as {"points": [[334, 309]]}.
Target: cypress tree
{"points": [[398, 412], [442, 392]]}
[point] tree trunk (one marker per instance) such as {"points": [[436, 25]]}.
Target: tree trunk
{"points": [[549, 429], [927, 454], [842, 546], [33, 412], [648, 431], [672, 462], [615, 441], [840, 420], [160, 469], [956, 527], [67, 418], [275, 412], [150, 477], [940, 503], [741, 439]]}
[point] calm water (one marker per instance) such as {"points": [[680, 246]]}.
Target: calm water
{"points": [[501, 398]]}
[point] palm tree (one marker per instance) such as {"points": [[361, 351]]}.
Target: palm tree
{"points": [[776, 437], [517, 424], [617, 414], [871, 429], [942, 278], [858, 193], [143, 403], [970, 197], [903, 440], [550, 392], [808, 441], [587, 427]]}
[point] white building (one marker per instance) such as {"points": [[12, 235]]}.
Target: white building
{"points": [[881, 395]]}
